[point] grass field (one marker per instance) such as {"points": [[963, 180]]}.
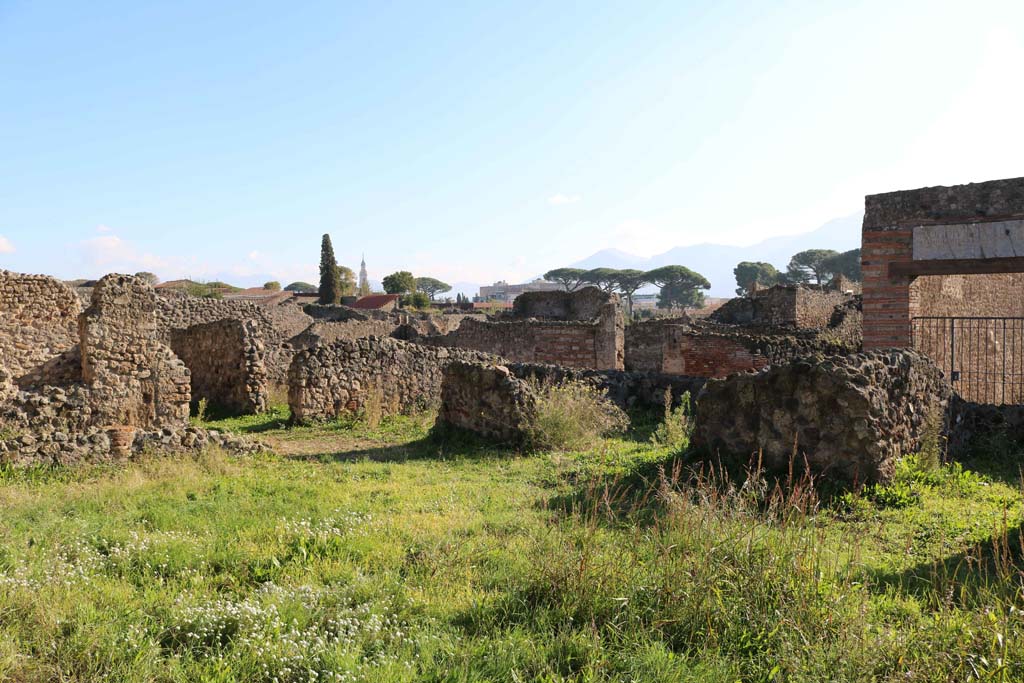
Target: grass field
{"points": [[359, 554]]}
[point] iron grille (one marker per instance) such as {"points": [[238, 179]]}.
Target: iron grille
{"points": [[982, 357]]}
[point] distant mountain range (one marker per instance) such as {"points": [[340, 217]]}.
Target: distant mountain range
{"points": [[716, 261]]}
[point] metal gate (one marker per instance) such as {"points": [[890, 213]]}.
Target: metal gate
{"points": [[982, 357]]}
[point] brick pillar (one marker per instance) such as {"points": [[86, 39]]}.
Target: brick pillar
{"points": [[888, 304]]}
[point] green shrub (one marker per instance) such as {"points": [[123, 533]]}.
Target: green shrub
{"points": [[573, 416], [416, 300], [675, 429]]}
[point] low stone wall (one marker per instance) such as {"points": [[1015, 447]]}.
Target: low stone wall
{"points": [[847, 417], [38, 321], [276, 325], [710, 350], [391, 376], [574, 344], [326, 332], [225, 359], [625, 389], [486, 398]]}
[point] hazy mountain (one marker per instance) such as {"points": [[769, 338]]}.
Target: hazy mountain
{"points": [[716, 261]]}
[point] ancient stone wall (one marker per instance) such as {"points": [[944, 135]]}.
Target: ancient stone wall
{"points": [[625, 389], [486, 398], [275, 325], [326, 332], [377, 373], [847, 417], [583, 304], [529, 341], [225, 360], [133, 378], [38, 321], [710, 350], [129, 393], [793, 306], [1000, 294], [973, 221]]}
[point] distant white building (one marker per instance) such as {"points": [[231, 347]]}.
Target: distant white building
{"points": [[503, 291]]}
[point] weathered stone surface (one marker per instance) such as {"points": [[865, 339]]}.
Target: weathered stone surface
{"points": [[847, 417], [625, 389], [583, 329], [343, 377], [133, 378], [791, 306], [38, 321], [486, 398], [708, 349], [586, 304], [225, 359], [275, 325]]}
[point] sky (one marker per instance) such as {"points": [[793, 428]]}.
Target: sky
{"points": [[478, 141]]}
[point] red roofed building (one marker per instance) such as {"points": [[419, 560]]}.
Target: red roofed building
{"points": [[377, 302]]}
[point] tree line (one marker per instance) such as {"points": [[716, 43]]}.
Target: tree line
{"points": [[679, 287], [811, 266]]}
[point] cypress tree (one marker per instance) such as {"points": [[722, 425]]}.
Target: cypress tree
{"points": [[330, 280]]}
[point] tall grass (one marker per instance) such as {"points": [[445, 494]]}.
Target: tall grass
{"points": [[573, 416]]}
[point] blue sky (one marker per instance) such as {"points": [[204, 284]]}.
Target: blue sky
{"points": [[478, 141]]}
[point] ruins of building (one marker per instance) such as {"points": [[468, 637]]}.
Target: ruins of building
{"points": [[225, 362], [385, 375], [847, 417], [770, 326], [128, 389], [799, 307], [583, 329], [944, 273], [38, 321]]}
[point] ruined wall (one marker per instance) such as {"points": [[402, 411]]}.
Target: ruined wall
{"points": [[625, 389], [562, 343], [969, 295], [225, 361], [326, 332], [394, 376], [486, 398], [710, 350], [38, 321], [275, 325], [794, 306], [850, 417], [582, 305], [978, 220], [133, 378]]}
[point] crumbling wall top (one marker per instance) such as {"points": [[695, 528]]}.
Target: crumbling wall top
{"points": [[583, 304], [974, 202]]}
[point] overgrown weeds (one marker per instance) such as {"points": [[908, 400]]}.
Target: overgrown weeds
{"points": [[573, 416]]}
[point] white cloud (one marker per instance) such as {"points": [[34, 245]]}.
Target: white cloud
{"points": [[110, 253], [104, 228], [562, 199], [5, 246]]}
